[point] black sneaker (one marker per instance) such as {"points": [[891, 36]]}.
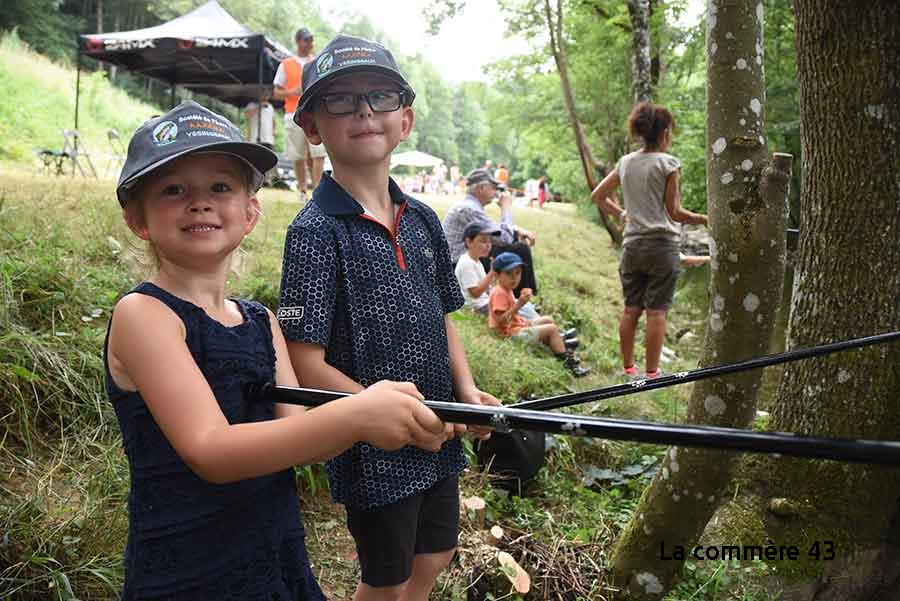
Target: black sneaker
{"points": [[571, 360], [571, 343], [579, 372], [570, 333]]}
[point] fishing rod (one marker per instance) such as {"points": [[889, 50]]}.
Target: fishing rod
{"points": [[733, 439], [599, 394]]}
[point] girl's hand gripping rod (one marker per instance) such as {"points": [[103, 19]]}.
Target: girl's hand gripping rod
{"points": [[733, 439]]}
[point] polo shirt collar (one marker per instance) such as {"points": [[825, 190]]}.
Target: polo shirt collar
{"points": [[335, 201]]}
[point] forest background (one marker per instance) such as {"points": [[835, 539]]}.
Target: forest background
{"points": [[519, 118]]}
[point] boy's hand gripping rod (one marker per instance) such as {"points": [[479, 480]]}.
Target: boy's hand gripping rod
{"points": [[734, 439]]}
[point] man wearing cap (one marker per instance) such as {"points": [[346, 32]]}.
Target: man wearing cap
{"points": [[288, 87], [481, 189]]}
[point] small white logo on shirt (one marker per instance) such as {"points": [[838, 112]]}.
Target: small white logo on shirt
{"points": [[289, 313]]}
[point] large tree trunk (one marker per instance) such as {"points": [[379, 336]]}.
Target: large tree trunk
{"points": [[588, 164], [747, 216], [640, 50], [847, 284]]}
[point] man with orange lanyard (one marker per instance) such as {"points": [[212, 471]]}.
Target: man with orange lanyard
{"points": [[288, 87]]}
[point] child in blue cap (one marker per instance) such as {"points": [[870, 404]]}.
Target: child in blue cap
{"points": [[505, 320]]}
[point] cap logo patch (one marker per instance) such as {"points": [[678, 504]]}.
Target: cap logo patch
{"points": [[356, 55], [201, 125], [165, 133], [324, 63]]}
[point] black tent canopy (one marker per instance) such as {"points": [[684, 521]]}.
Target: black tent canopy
{"points": [[205, 51]]}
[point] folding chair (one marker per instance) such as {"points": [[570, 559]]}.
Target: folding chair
{"points": [[75, 149], [116, 158], [53, 160]]}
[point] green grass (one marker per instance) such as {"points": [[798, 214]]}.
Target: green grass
{"points": [[66, 257], [38, 102]]}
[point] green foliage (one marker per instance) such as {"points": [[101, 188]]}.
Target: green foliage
{"points": [[519, 120], [39, 101], [715, 580], [41, 24]]}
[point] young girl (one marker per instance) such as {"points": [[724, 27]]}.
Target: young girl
{"points": [[213, 509], [650, 261]]}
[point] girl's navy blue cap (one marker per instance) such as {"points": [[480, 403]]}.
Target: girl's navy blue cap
{"points": [[342, 56], [186, 129]]}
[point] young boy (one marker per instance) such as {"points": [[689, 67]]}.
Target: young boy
{"points": [[504, 318], [366, 290], [474, 282]]}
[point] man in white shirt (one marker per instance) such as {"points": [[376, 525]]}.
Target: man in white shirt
{"points": [[261, 121]]}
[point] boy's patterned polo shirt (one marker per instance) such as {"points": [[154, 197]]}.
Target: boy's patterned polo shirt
{"points": [[376, 303]]}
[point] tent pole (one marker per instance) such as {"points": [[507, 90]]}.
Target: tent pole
{"points": [[259, 94], [77, 80]]}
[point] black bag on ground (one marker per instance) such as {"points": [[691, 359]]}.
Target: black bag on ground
{"points": [[515, 457]]}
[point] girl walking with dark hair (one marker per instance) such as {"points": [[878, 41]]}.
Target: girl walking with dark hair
{"points": [[652, 214]]}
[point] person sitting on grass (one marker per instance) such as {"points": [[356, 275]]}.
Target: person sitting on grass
{"points": [[474, 282], [504, 318]]}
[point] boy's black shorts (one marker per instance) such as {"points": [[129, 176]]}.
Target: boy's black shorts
{"points": [[388, 538]]}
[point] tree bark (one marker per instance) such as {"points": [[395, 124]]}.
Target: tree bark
{"points": [[747, 200], [640, 50], [847, 284], [557, 45]]}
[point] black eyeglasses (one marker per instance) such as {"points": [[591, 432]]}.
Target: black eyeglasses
{"points": [[345, 103]]}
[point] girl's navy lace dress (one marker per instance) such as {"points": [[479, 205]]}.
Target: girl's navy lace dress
{"points": [[188, 539]]}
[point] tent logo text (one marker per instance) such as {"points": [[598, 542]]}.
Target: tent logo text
{"points": [[115, 45], [221, 42]]}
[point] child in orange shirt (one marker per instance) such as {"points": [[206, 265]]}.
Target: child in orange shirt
{"points": [[504, 318]]}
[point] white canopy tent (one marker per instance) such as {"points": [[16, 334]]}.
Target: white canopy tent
{"points": [[414, 158]]}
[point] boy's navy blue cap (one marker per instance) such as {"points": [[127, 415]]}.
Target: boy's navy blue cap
{"points": [[481, 176], [303, 34], [186, 129], [342, 56], [506, 261], [477, 228]]}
